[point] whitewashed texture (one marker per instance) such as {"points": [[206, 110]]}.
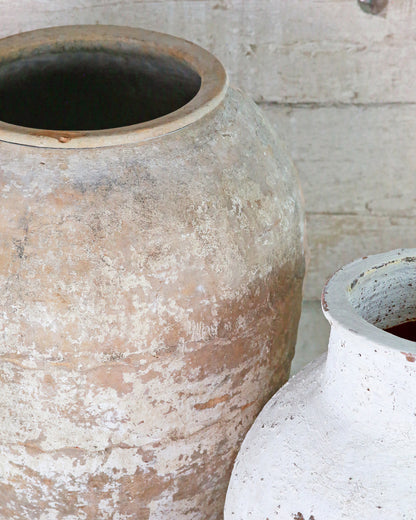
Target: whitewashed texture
{"points": [[352, 160], [323, 51], [338, 440], [357, 167]]}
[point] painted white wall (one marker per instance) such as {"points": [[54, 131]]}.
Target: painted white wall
{"points": [[338, 85]]}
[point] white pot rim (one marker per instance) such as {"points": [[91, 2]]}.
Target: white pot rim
{"points": [[337, 302]]}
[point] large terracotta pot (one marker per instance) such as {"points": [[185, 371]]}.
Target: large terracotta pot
{"points": [[339, 440], [151, 268]]}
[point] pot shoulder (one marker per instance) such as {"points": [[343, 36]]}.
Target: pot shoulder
{"points": [[304, 459], [220, 195], [225, 179], [172, 229]]}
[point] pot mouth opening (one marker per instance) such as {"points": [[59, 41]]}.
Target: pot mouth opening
{"points": [[375, 297], [78, 90], [91, 86]]}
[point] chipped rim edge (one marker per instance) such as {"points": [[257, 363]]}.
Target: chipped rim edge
{"points": [[339, 311], [214, 83]]}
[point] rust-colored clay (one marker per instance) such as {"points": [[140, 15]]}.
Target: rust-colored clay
{"points": [[150, 290]]}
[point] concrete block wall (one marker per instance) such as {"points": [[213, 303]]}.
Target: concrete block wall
{"points": [[338, 85]]}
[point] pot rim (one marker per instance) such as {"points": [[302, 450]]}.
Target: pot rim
{"points": [[339, 310], [214, 83]]}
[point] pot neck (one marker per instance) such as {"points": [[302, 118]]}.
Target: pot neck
{"points": [[366, 378], [370, 372]]}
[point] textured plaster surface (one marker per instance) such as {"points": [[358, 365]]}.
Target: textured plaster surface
{"points": [[149, 298], [338, 441]]}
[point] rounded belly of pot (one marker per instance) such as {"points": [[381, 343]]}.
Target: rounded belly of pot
{"points": [[305, 459], [150, 297]]}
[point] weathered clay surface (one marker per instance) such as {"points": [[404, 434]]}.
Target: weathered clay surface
{"points": [[338, 440], [149, 299], [149, 295]]}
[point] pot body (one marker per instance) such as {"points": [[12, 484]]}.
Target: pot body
{"points": [[150, 295], [338, 440]]}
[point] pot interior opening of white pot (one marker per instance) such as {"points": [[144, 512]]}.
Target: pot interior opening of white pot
{"points": [[385, 296], [93, 89]]}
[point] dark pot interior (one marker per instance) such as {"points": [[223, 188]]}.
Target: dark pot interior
{"points": [[93, 89]]}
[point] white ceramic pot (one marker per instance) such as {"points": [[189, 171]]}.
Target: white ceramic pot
{"points": [[338, 441]]}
